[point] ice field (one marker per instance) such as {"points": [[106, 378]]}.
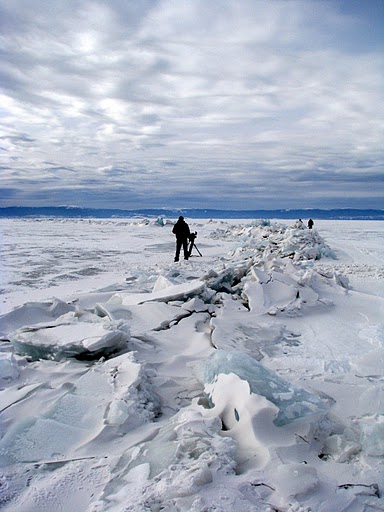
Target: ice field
{"points": [[250, 379]]}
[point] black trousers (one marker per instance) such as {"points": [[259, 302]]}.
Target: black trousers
{"points": [[181, 242]]}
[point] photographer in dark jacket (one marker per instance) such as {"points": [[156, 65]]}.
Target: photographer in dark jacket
{"points": [[181, 230]]}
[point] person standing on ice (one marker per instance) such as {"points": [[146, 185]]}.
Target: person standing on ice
{"points": [[310, 224], [181, 230]]}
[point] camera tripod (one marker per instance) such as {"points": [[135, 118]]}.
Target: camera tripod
{"points": [[192, 238]]}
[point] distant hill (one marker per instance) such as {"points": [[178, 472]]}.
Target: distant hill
{"points": [[101, 213]]}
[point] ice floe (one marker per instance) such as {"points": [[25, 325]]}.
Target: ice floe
{"points": [[249, 379]]}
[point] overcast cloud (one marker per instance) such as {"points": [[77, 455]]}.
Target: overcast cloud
{"points": [[192, 103]]}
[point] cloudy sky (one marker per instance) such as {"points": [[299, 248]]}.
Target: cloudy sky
{"points": [[231, 104]]}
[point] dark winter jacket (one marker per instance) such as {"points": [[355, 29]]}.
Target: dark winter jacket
{"points": [[181, 230]]}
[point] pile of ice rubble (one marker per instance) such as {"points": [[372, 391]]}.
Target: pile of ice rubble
{"points": [[263, 238], [166, 397]]}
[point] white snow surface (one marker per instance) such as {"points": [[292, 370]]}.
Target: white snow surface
{"points": [[249, 379]]}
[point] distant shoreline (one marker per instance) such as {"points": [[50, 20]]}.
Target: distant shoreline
{"points": [[196, 213]]}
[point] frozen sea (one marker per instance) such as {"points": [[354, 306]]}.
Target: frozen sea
{"points": [[249, 378]]}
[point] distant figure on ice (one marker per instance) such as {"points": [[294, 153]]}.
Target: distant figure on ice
{"points": [[310, 224], [181, 230]]}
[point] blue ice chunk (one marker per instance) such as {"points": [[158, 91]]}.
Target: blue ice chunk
{"points": [[161, 221], [293, 403]]}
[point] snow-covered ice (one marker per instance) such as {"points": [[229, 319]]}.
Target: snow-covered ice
{"points": [[291, 403], [251, 378]]}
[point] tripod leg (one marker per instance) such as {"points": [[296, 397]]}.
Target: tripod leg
{"points": [[190, 249], [197, 250]]}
